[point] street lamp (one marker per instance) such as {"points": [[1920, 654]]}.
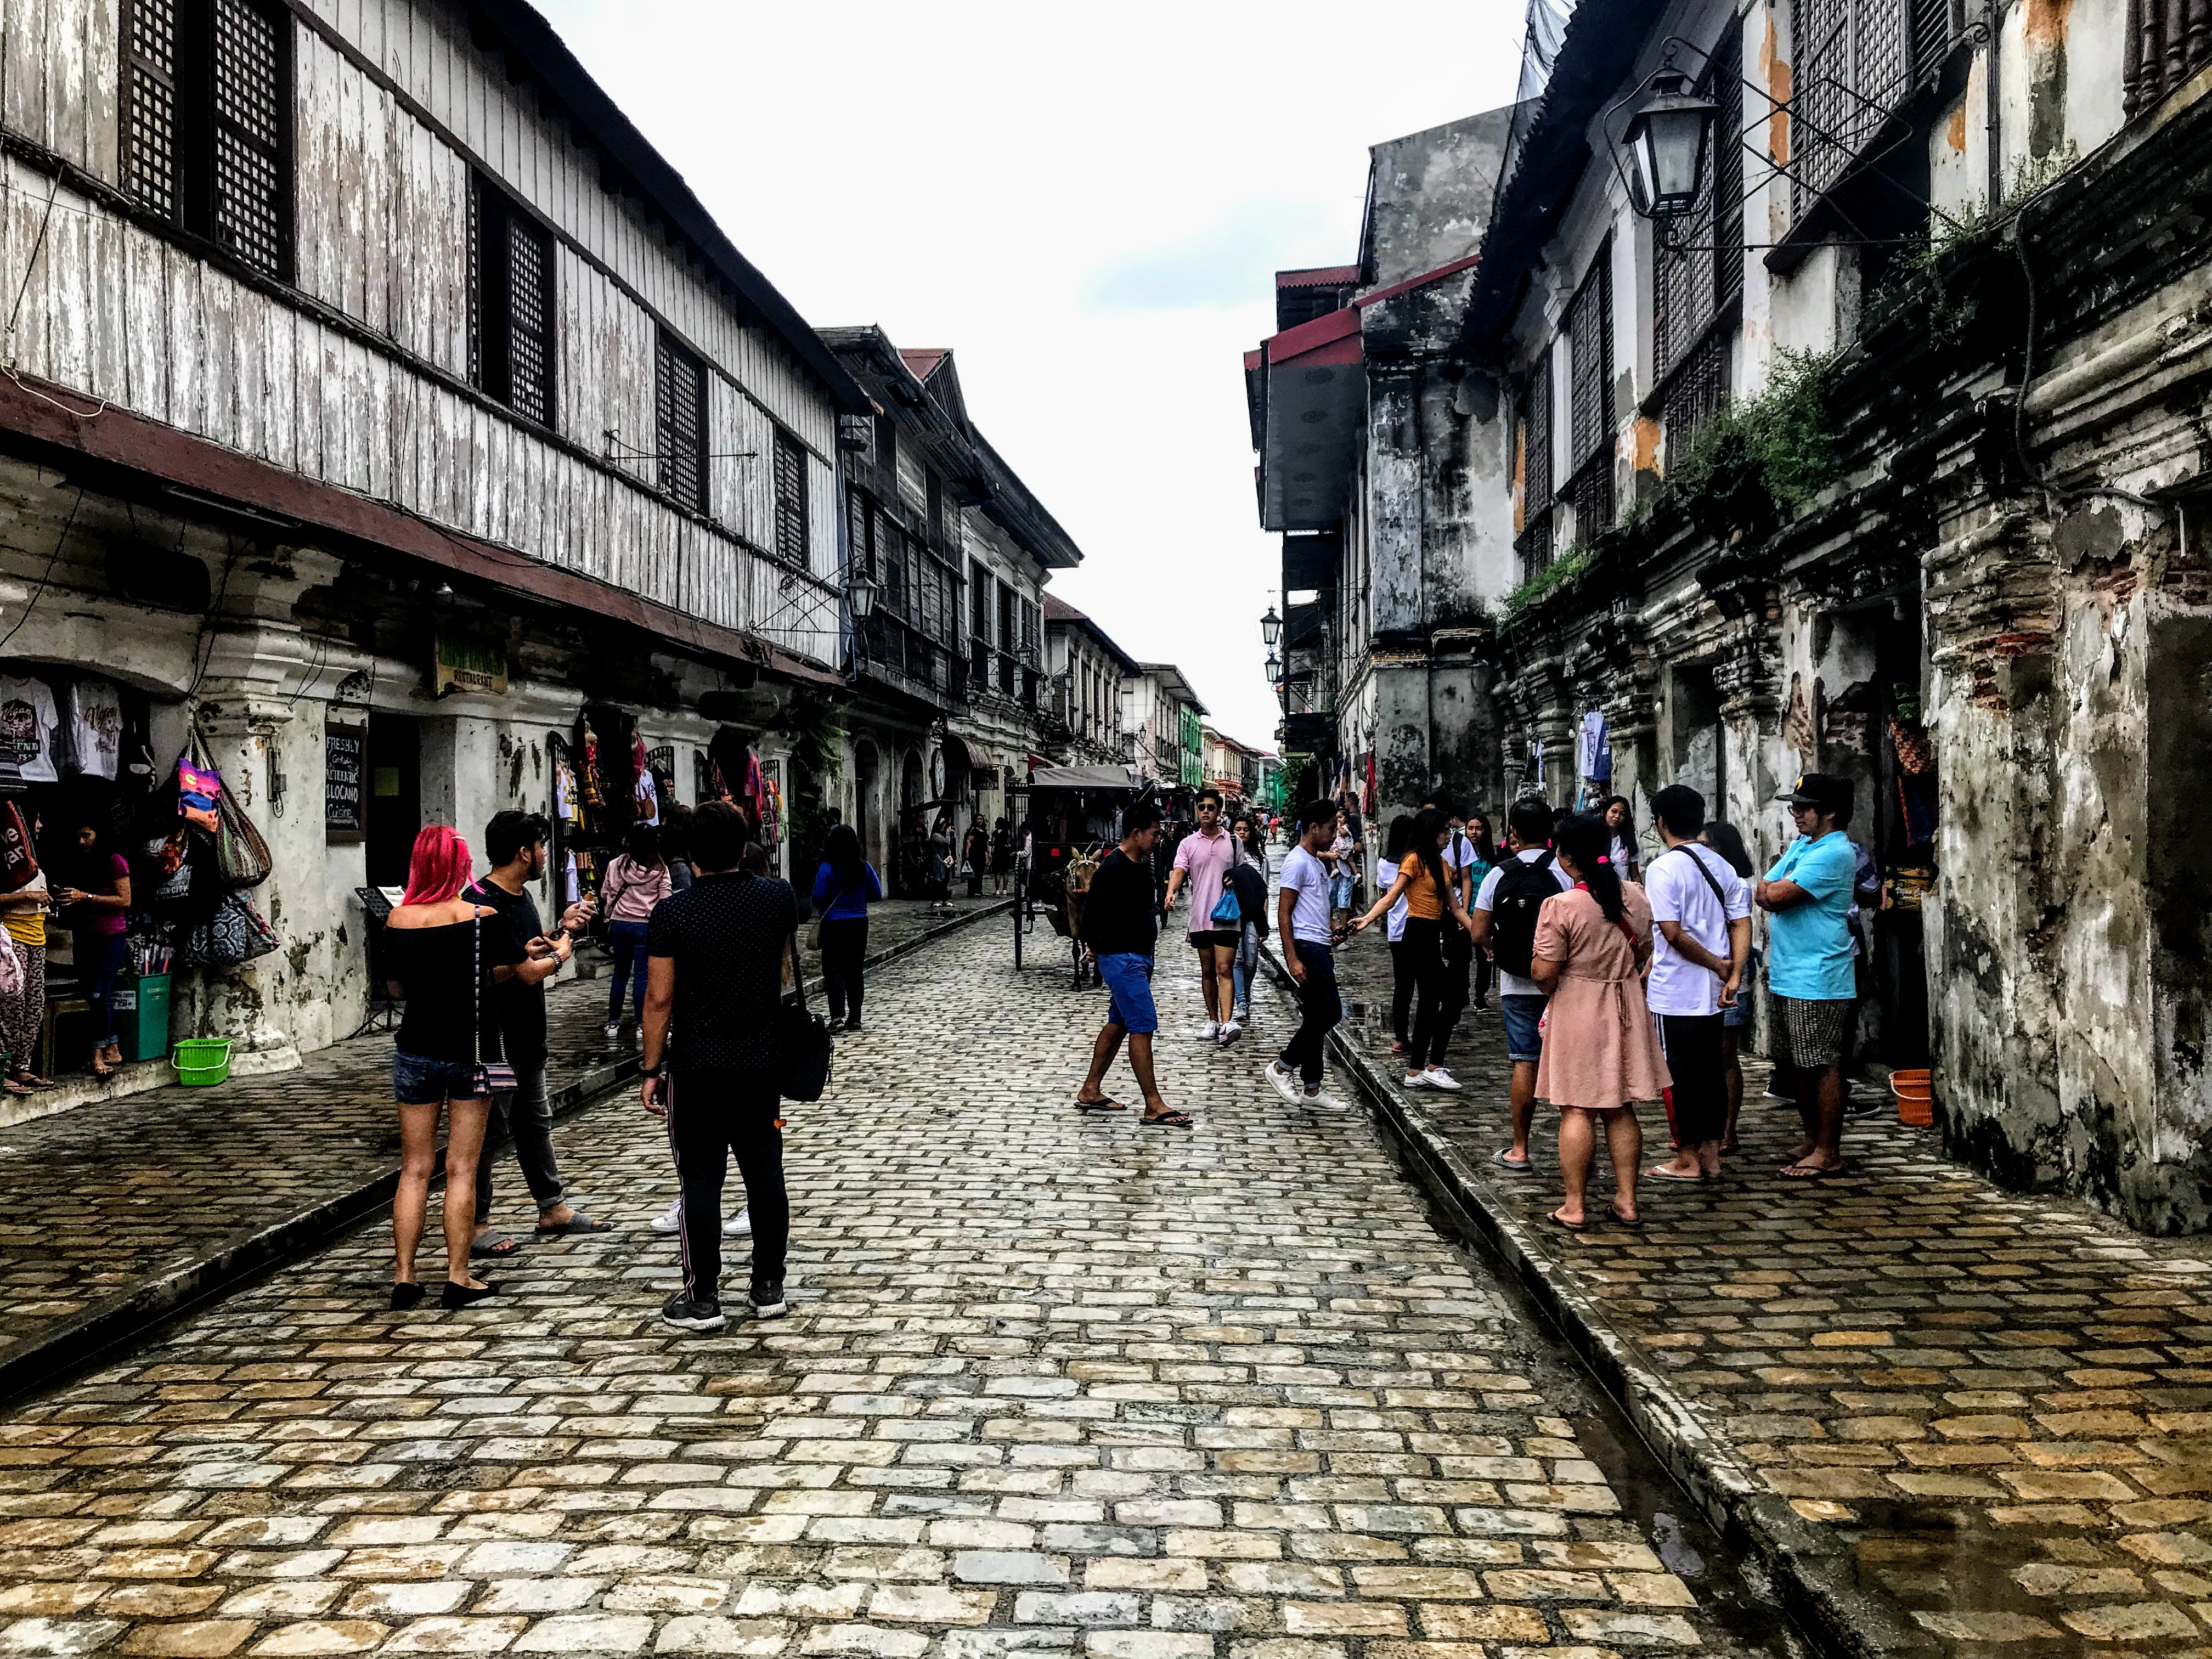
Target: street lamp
{"points": [[1271, 629], [861, 595], [1666, 142], [1274, 670]]}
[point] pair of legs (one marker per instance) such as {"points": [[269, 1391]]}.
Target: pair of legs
{"points": [[1732, 1077], [627, 946], [1693, 1045], [1524, 1047], [1244, 960], [1320, 1009], [418, 1161], [1130, 1013], [1217, 975], [1425, 960], [844, 956], [528, 1115], [101, 956], [1579, 1129], [1479, 963], [1813, 1032], [21, 1017], [713, 1113]]}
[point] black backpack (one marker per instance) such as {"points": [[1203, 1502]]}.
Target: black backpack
{"points": [[1523, 886]]}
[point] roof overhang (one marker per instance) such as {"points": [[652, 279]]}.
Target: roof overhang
{"points": [[1315, 395]]}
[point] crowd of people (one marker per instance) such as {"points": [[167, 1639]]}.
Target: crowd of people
{"points": [[1622, 984]]}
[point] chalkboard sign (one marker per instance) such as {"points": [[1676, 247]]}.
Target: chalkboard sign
{"points": [[345, 794]]}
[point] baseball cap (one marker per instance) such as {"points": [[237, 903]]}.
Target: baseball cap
{"points": [[1824, 790]]}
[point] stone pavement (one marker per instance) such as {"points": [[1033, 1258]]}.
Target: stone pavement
{"points": [[1051, 1384], [1997, 1408], [99, 1203]]}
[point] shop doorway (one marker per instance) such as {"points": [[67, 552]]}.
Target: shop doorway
{"points": [[395, 796]]}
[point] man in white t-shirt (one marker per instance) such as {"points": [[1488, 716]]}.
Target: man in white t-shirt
{"points": [[1701, 918], [1509, 938], [1305, 932]]}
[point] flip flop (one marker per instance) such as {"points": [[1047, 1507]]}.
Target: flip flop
{"points": [[1503, 1162], [1812, 1172], [1634, 1225], [577, 1223], [489, 1246], [1109, 1105], [1565, 1225], [1167, 1120], [1661, 1173]]}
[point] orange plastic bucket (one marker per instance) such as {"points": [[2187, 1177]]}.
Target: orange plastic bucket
{"points": [[1916, 1098]]}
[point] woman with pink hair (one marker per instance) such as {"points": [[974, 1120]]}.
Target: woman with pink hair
{"points": [[443, 959]]}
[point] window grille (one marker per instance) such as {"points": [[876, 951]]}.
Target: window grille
{"points": [[859, 556], [679, 422], [790, 498], [1536, 441], [1851, 72], [1587, 327], [510, 303], [1695, 391], [207, 125], [1690, 286], [1591, 491]]}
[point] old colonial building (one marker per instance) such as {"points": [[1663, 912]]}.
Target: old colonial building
{"points": [[1169, 735], [381, 406], [1375, 462], [1088, 722], [1882, 450]]}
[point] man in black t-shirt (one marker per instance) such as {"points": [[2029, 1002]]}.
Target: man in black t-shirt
{"points": [[1121, 924], [514, 843], [714, 957]]}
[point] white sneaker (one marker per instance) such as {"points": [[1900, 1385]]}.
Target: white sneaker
{"points": [[1440, 1078], [1240, 1014], [671, 1219], [1211, 1030], [1286, 1082], [739, 1226], [614, 1030], [1318, 1102], [1229, 1033]]}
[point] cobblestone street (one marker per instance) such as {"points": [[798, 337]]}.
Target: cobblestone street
{"points": [[1999, 1405], [1050, 1384]]}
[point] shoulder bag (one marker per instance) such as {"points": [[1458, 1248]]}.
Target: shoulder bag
{"points": [[802, 1041], [1227, 912], [490, 1076]]}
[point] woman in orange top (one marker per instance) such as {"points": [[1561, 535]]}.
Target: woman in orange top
{"points": [[1432, 904]]}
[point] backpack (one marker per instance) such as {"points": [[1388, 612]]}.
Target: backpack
{"points": [[1523, 885]]}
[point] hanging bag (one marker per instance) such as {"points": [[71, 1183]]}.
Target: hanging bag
{"points": [[240, 854], [1228, 913], [802, 1041], [491, 1076]]}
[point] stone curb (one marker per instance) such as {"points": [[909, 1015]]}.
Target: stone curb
{"points": [[1813, 1574], [40, 1361]]}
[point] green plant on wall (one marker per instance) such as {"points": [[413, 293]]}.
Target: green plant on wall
{"points": [[1758, 458], [1563, 572]]}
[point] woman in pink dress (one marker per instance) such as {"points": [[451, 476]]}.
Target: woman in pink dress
{"points": [[1600, 1056]]}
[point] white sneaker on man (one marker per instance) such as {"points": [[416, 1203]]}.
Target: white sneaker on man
{"points": [[1318, 1102], [739, 1226], [1286, 1082], [614, 1030], [1210, 1030], [1437, 1078], [1229, 1032], [670, 1220]]}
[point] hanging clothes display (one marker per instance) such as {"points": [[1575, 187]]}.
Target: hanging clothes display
{"points": [[29, 728], [91, 727], [1593, 750]]}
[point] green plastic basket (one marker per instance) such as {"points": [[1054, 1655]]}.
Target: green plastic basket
{"points": [[201, 1061]]}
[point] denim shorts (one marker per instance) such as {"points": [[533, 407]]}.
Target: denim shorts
{"points": [[1524, 1034], [419, 1082], [1339, 892], [1128, 979]]}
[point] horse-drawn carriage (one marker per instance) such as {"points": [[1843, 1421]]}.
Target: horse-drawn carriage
{"points": [[1068, 818]]}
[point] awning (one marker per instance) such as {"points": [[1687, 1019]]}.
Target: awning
{"points": [[1085, 777]]}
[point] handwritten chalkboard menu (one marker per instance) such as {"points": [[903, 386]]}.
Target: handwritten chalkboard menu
{"points": [[345, 791]]}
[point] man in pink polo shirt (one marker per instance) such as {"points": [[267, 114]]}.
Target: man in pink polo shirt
{"points": [[1204, 861]]}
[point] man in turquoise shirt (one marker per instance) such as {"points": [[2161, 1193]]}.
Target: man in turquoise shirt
{"points": [[1807, 894]]}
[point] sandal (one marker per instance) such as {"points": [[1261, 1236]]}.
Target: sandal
{"points": [[1503, 1162], [1559, 1221], [1661, 1172], [16, 1088], [1812, 1172], [578, 1224], [494, 1245], [1634, 1223], [1104, 1103], [1167, 1120]]}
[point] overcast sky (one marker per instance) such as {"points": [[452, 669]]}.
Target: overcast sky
{"points": [[1086, 203]]}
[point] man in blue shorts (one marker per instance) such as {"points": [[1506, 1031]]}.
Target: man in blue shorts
{"points": [[1121, 915]]}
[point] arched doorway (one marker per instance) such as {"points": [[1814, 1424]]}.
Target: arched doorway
{"points": [[910, 782]]}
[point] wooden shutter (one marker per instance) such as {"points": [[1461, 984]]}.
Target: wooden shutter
{"points": [[249, 137], [149, 103], [790, 498], [529, 320], [679, 419]]}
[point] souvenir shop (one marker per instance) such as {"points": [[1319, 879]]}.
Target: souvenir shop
{"points": [[81, 785]]}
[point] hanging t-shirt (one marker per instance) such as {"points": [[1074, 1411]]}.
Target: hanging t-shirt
{"points": [[1594, 756], [91, 726], [29, 728]]}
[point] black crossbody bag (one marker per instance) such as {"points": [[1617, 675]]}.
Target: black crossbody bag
{"points": [[802, 1040]]}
